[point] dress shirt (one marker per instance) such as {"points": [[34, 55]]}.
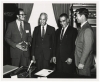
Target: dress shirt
{"points": [[18, 24], [64, 30]]}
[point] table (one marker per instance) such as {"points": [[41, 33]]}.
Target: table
{"points": [[23, 74]]}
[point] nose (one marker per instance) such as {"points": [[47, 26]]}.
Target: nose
{"points": [[42, 20], [62, 23]]}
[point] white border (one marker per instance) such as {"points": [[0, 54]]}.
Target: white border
{"points": [[54, 1]]}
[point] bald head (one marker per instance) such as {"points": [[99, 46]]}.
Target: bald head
{"points": [[43, 19]]}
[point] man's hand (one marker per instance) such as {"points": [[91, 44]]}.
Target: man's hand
{"points": [[51, 60], [80, 66], [33, 57], [69, 61], [54, 60], [19, 46]]}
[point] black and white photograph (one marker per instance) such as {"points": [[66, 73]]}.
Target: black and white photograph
{"points": [[49, 40]]}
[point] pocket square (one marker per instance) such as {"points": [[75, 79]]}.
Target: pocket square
{"points": [[27, 31]]}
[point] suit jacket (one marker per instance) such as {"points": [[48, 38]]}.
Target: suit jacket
{"points": [[65, 47], [84, 43], [13, 37], [46, 45]]}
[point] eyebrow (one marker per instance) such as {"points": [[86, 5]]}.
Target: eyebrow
{"points": [[62, 20]]}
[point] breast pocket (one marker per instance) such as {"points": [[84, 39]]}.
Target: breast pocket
{"points": [[48, 35]]}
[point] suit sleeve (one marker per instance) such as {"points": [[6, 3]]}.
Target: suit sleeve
{"points": [[73, 43], [53, 43], [8, 36], [33, 43], [87, 46], [29, 37]]}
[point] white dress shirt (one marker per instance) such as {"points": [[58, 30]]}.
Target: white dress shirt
{"points": [[83, 23], [18, 24]]}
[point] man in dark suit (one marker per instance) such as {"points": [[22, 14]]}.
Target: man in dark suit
{"points": [[18, 36], [65, 46], [84, 44], [43, 43]]}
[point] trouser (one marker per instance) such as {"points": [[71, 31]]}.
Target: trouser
{"points": [[42, 63], [64, 67], [21, 61], [84, 72]]}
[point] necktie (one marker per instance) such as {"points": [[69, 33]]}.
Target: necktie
{"points": [[21, 29], [62, 33], [43, 32]]}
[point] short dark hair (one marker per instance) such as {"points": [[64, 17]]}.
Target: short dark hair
{"points": [[18, 10], [83, 11], [63, 14]]}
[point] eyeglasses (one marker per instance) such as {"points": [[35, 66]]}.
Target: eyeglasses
{"points": [[23, 14]]}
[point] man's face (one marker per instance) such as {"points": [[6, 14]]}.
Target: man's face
{"points": [[21, 16], [78, 17], [63, 21], [43, 20]]}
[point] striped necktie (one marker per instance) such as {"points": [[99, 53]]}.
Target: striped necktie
{"points": [[43, 32], [21, 29], [62, 33]]}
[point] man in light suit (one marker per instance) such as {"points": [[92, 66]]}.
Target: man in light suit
{"points": [[84, 44], [43, 43], [18, 36], [65, 46]]}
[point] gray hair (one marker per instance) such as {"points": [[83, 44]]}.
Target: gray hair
{"points": [[44, 14]]}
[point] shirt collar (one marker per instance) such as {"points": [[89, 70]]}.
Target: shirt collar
{"points": [[19, 21], [83, 23], [65, 27], [44, 26]]}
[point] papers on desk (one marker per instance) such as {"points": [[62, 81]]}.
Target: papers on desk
{"points": [[8, 69], [44, 72], [14, 77]]}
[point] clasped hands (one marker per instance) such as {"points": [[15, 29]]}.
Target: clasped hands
{"points": [[22, 46]]}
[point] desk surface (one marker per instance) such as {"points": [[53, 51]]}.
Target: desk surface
{"points": [[55, 74], [8, 69]]}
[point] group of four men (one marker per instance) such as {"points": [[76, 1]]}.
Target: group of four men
{"points": [[48, 45]]}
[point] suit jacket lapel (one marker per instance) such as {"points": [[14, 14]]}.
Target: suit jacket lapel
{"points": [[16, 28], [24, 30], [66, 32], [83, 27], [81, 30], [39, 32], [47, 30]]}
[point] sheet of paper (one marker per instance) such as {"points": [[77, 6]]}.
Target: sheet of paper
{"points": [[14, 77], [44, 72]]}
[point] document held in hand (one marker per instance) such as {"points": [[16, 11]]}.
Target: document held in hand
{"points": [[44, 72]]}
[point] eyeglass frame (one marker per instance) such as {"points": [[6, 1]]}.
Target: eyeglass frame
{"points": [[22, 14]]}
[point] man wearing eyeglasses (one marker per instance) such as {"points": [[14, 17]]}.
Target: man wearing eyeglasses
{"points": [[65, 46], [18, 36]]}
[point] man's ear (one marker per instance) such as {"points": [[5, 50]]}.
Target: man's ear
{"points": [[83, 16], [17, 16], [68, 20]]}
